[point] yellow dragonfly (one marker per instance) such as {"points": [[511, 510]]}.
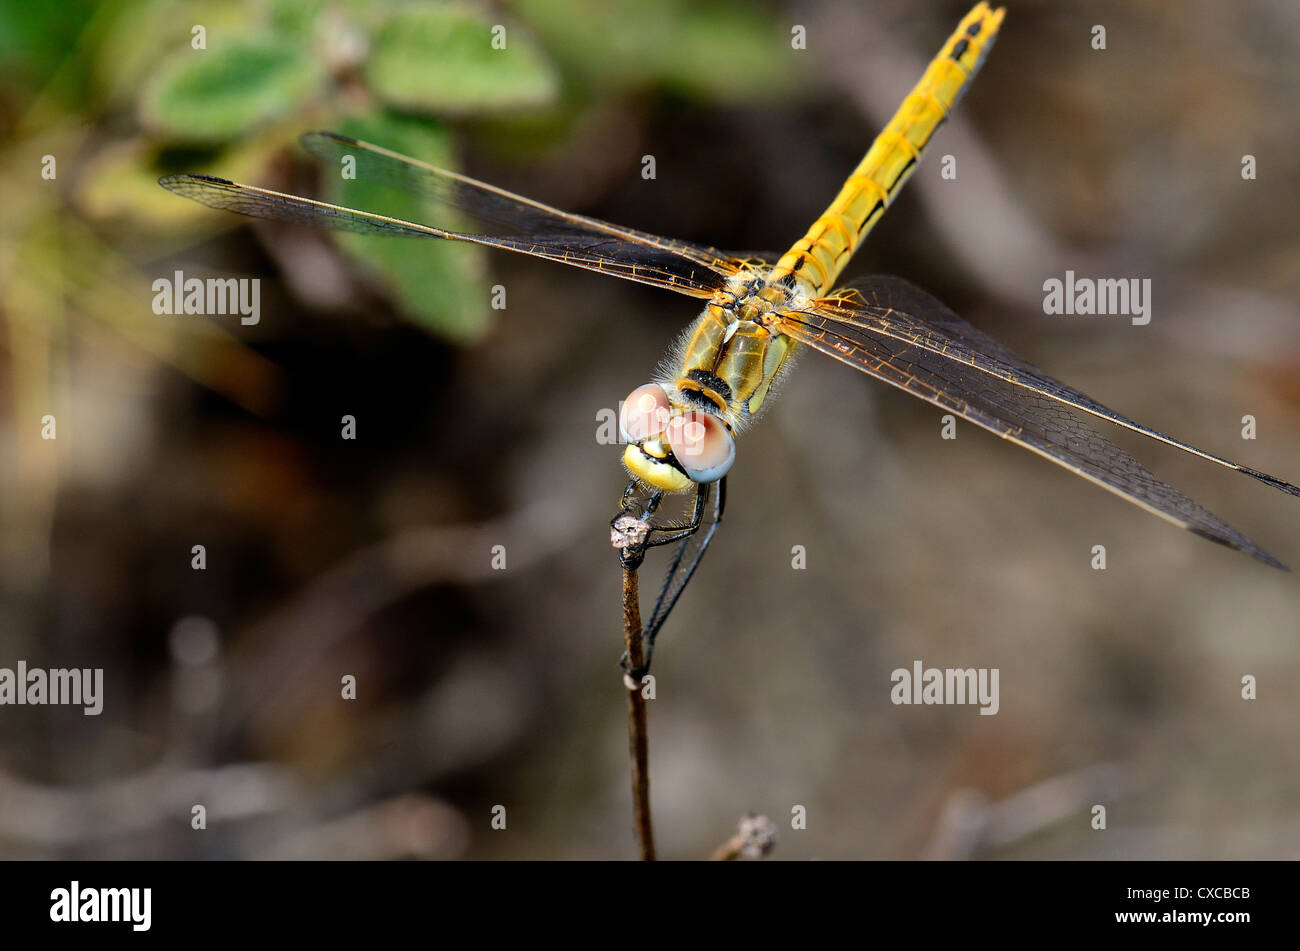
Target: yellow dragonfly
{"points": [[680, 428]]}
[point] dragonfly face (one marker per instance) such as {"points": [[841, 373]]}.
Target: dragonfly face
{"points": [[671, 448]]}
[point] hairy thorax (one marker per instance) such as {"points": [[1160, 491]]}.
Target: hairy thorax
{"points": [[728, 360]]}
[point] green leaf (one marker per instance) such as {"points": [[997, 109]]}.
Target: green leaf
{"points": [[441, 59], [441, 285], [226, 90], [295, 17], [128, 34]]}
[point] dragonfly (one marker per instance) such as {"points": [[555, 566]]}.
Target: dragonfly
{"points": [[679, 430]]}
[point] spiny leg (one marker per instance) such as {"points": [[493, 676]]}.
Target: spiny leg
{"points": [[667, 534], [633, 533], [672, 589], [638, 536]]}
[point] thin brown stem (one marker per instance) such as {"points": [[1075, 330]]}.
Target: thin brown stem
{"points": [[638, 741]]}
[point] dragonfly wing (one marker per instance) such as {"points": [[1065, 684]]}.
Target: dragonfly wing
{"points": [[263, 203], [514, 223], [891, 307], [500, 211], [1040, 423]]}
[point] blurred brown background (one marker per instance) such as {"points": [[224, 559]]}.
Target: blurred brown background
{"points": [[476, 428]]}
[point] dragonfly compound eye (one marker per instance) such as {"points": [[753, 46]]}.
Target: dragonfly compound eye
{"points": [[645, 413], [702, 445]]}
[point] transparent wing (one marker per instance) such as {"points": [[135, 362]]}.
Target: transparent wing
{"points": [[956, 367], [499, 211], [891, 307], [521, 225]]}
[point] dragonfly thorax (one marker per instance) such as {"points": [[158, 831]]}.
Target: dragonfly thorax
{"points": [[750, 297], [680, 428]]}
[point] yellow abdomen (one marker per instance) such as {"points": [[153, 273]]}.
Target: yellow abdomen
{"points": [[816, 259]]}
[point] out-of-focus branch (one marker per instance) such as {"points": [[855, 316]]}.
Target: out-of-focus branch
{"points": [[970, 822], [294, 638]]}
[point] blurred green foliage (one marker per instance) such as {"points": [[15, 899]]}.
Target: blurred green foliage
{"points": [[141, 89], [438, 60], [700, 49], [230, 91]]}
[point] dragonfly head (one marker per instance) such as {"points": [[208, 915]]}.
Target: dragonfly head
{"points": [[671, 448]]}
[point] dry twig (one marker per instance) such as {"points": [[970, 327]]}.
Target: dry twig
{"points": [[638, 741]]}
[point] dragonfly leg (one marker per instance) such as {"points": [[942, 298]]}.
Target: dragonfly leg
{"points": [[683, 565], [633, 532], [667, 534], [630, 529]]}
